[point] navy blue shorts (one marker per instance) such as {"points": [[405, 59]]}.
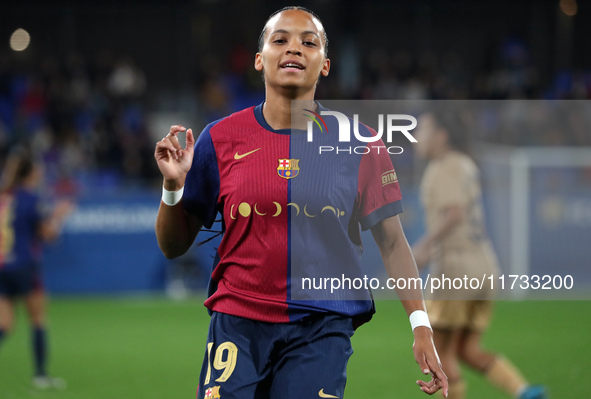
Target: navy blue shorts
{"points": [[19, 282], [248, 359]]}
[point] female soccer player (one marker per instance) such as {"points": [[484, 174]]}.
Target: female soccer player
{"points": [[457, 244], [286, 212], [23, 228]]}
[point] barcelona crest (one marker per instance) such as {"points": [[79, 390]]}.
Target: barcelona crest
{"points": [[288, 168], [213, 393]]}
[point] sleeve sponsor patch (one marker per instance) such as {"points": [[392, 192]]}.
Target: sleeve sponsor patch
{"points": [[389, 177]]}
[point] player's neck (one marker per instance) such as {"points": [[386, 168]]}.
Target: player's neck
{"points": [[277, 108]]}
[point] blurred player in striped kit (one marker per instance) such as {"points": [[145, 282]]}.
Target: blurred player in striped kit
{"points": [[456, 244], [23, 229]]}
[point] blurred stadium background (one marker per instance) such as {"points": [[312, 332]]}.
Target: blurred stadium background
{"points": [[92, 87]]}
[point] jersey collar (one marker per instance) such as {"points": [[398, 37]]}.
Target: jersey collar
{"points": [[258, 114]]}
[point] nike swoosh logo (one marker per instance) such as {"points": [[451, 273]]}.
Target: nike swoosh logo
{"points": [[240, 156], [325, 395]]}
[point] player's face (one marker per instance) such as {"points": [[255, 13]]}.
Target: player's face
{"points": [[293, 52], [429, 137]]}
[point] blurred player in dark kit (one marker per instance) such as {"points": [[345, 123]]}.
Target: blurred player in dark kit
{"points": [[23, 229], [457, 245], [279, 208]]}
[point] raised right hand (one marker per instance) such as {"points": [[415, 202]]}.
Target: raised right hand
{"points": [[173, 161]]}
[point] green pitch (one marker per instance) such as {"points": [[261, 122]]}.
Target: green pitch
{"points": [[153, 348]]}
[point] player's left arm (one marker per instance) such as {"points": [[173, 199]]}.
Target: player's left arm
{"points": [[451, 217], [400, 264]]}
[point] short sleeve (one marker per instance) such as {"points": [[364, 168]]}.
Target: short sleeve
{"points": [[202, 185], [378, 193]]}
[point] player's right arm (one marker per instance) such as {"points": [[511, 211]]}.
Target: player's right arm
{"points": [[175, 229]]}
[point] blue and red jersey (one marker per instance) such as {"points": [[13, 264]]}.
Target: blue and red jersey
{"points": [[288, 213], [20, 218]]}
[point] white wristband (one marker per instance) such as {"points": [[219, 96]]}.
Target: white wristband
{"points": [[172, 198], [419, 318]]}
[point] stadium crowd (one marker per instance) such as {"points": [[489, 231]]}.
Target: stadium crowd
{"points": [[88, 117], [80, 115]]}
